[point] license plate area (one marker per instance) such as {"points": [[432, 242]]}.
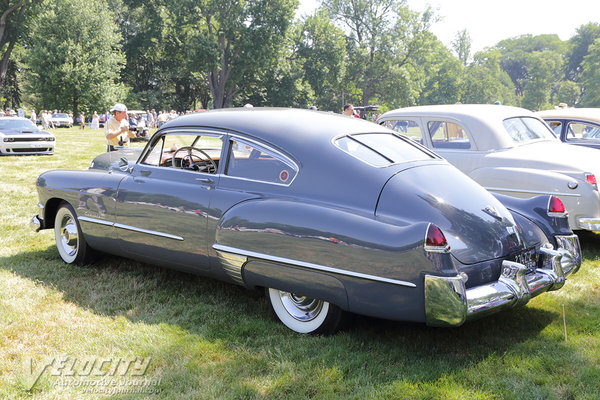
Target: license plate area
{"points": [[529, 258]]}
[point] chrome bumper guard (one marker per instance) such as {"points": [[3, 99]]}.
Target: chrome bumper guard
{"points": [[589, 223], [449, 303], [36, 223]]}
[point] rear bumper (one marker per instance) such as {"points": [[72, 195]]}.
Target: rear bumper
{"points": [[449, 303], [589, 223]]}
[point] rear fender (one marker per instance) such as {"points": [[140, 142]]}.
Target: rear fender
{"points": [[336, 241], [535, 210]]}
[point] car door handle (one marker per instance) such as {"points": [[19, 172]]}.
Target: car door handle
{"points": [[206, 180]]}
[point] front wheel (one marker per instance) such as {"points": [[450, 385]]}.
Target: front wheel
{"points": [[305, 315], [70, 242]]}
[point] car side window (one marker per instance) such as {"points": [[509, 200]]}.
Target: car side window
{"points": [[248, 161], [153, 156], [192, 152], [448, 135], [581, 130], [556, 127], [406, 127]]}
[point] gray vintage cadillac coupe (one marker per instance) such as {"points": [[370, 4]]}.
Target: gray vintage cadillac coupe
{"points": [[329, 215]]}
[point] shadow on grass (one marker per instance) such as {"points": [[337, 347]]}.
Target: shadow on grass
{"points": [[372, 353]]}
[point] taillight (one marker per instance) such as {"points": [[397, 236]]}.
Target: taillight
{"points": [[556, 208], [435, 240], [591, 179]]}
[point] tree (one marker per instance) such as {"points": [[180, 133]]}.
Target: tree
{"points": [[462, 46], [385, 38], [74, 56], [245, 36], [517, 60], [12, 18], [580, 43], [544, 69], [590, 76], [321, 49], [439, 75], [568, 92], [485, 82]]}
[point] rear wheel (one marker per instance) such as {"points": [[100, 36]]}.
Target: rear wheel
{"points": [[70, 242], [305, 315]]}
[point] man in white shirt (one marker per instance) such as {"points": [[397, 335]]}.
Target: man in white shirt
{"points": [[117, 128]]}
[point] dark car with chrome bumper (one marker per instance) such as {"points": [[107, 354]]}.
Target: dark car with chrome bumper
{"points": [[267, 199]]}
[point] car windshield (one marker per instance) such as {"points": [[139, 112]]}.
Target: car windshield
{"points": [[381, 149], [60, 116], [19, 124], [526, 129]]}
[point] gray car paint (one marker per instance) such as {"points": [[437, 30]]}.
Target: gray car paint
{"points": [[338, 212]]}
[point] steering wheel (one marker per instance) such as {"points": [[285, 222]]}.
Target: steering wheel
{"points": [[203, 161]]}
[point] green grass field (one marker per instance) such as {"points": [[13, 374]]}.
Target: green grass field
{"points": [[202, 339]]}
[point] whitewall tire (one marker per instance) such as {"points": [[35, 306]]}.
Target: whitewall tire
{"points": [[69, 238], [303, 314]]}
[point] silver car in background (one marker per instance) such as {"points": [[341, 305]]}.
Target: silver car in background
{"points": [[508, 150], [61, 120]]}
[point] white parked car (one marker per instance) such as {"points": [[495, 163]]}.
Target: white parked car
{"points": [[510, 151], [20, 136], [61, 119]]}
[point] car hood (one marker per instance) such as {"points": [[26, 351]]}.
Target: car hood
{"points": [[476, 225], [11, 132], [549, 155]]}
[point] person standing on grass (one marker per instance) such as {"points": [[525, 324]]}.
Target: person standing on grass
{"points": [[95, 124], [82, 120], [33, 117], [117, 128]]}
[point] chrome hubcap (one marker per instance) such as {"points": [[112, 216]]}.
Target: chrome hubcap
{"points": [[69, 237], [301, 308]]}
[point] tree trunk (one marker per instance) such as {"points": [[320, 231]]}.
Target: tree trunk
{"points": [[5, 37]]}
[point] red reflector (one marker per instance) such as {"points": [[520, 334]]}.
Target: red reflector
{"points": [[435, 237], [556, 205], [591, 179]]}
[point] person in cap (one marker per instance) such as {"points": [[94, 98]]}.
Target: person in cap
{"points": [[117, 128]]}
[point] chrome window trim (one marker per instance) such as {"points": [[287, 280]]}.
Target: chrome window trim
{"points": [[226, 136], [317, 267], [531, 191], [184, 131], [258, 181], [277, 154], [129, 228], [399, 135]]}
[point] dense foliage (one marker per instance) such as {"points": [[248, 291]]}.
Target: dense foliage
{"points": [[188, 54]]}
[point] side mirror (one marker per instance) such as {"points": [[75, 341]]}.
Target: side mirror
{"points": [[124, 165]]}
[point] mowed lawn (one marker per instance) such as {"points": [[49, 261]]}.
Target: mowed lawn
{"points": [[203, 339]]}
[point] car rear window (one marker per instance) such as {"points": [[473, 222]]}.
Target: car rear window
{"points": [[525, 129], [381, 149]]}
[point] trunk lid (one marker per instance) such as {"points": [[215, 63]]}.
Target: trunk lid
{"points": [[476, 225]]}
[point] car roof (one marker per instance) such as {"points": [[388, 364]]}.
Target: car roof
{"points": [[590, 114], [306, 136], [294, 130], [478, 119]]}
